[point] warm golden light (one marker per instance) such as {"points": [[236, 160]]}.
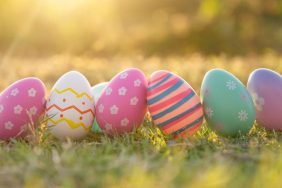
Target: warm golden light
{"points": [[149, 27]]}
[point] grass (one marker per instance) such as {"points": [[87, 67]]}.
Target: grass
{"points": [[144, 158]]}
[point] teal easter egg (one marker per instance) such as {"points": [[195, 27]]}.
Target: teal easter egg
{"points": [[96, 93], [228, 106], [95, 127]]}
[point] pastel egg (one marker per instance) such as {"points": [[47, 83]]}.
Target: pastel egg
{"points": [[21, 105], [265, 87], [95, 127], [173, 104], [122, 105], [228, 106], [70, 107], [96, 92]]}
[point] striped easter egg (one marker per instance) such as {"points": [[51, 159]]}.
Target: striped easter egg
{"points": [[173, 104]]}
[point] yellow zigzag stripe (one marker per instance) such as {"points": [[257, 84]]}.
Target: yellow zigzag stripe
{"points": [[78, 95], [71, 123]]}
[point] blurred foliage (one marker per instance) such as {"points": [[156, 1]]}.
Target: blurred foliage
{"points": [[102, 69], [87, 27]]}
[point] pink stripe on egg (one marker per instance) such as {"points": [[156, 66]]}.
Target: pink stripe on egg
{"points": [[158, 78], [162, 87], [189, 131], [187, 105], [183, 88], [183, 121], [170, 101]]}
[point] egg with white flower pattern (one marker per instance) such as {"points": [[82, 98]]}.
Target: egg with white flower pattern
{"points": [[122, 105], [228, 106], [21, 106], [265, 87], [70, 107]]}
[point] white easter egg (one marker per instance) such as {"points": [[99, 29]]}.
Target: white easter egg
{"points": [[70, 107]]}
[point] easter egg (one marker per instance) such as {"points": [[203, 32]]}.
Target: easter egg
{"points": [[96, 92], [173, 104], [265, 87], [70, 107], [95, 127], [21, 104], [228, 106], [122, 105]]}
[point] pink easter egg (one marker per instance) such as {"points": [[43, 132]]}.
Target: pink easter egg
{"points": [[173, 104], [122, 105], [21, 104]]}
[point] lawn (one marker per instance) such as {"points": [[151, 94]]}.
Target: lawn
{"points": [[145, 158]]}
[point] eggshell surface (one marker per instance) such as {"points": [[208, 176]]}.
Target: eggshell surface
{"points": [[96, 92], [70, 107], [265, 87], [228, 106], [21, 104], [173, 104], [122, 105]]}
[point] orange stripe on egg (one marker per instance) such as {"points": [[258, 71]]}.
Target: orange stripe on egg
{"points": [[182, 122], [160, 76], [151, 93], [189, 131], [181, 89], [68, 108], [162, 87], [165, 103], [188, 104]]}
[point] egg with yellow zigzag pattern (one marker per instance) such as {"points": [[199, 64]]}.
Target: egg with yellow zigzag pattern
{"points": [[70, 107]]}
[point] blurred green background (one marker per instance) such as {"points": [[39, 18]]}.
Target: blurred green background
{"points": [[163, 27]]}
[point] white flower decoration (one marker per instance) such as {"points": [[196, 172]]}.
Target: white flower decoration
{"points": [[1, 108], [124, 122], [258, 101], [137, 83], [231, 85], [122, 91], [243, 115], [108, 126], [209, 112], [32, 110], [15, 92], [114, 109], [123, 75], [133, 101], [9, 125], [18, 109], [32, 92], [101, 108], [109, 91]]}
